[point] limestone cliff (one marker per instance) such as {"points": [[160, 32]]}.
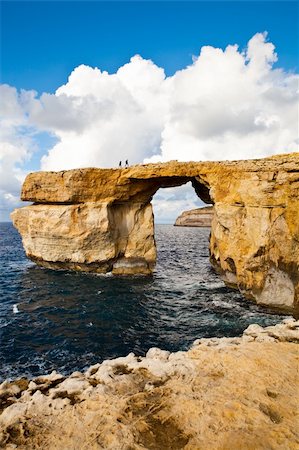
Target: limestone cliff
{"points": [[223, 394], [101, 220], [199, 217]]}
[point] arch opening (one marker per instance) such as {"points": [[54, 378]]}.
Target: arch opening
{"points": [[168, 203]]}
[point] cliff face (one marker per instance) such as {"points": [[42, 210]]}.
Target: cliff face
{"points": [[199, 217], [254, 241], [101, 220]]}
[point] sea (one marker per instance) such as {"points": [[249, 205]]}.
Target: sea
{"points": [[67, 321]]}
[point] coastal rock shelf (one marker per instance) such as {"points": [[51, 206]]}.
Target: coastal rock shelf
{"points": [[199, 217], [224, 393], [101, 220]]}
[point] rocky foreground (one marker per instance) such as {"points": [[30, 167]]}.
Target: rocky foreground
{"points": [[228, 393]]}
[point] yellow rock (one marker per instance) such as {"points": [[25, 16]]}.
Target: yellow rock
{"points": [[101, 220]]}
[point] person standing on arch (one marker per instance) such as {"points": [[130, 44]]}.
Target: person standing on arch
{"points": [[119, 165], [127, 163]]}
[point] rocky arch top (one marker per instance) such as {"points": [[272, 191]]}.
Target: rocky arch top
{"points": [[212, 181], [136, 184]]}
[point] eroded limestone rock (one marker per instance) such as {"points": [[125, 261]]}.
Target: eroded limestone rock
{"points": [[199, 217], [228, 393], [92, 236], [101, 220]]}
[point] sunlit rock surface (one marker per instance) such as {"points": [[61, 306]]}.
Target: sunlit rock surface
{"points": [[199, 217], [90, 236], [223, 394], [101, 220]]}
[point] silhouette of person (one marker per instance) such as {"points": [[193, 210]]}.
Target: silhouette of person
{"points": [[119, 165], [127, 163]]}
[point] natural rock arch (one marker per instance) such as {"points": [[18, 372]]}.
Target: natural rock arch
{"points": [[102, 220]]}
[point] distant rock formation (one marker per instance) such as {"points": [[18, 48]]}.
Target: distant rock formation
{"points": [[199, 217], [101, 220], [228, 393]]}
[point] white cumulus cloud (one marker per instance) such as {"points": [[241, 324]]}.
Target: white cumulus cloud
{"points": [[16, 145], [101, 118], [231, 105], [227, 104]]}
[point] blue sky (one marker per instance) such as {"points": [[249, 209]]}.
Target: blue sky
{"points": [[43, 41], [189, 96]]}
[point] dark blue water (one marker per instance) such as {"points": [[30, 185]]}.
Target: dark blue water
{"points": [[67, 321]]}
